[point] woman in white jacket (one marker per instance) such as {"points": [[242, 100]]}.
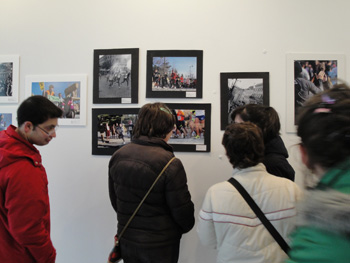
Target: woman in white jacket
{"points": [[227, 223]]}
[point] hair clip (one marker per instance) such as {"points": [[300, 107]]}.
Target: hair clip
{"points": [[165, 110], [322, 110], [327, 100]]}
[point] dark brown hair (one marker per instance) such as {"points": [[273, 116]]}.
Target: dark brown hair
{"points": [[244, 144], [265, 117], [37, 109], [154, 120], [324, 127]]}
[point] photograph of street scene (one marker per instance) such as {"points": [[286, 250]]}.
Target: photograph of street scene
{"points": [[65, 95], [114, 130], [242, 92], [114, 76], [6, 73], [189, 127], [174, 74]]}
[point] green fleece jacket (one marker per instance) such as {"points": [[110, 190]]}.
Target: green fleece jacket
{"points": [[323, 234]]}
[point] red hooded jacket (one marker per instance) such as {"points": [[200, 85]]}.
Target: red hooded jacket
{"points": [[24, 203]]}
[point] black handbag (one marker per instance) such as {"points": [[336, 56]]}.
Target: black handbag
{"points": [[115, 255], [283, 244]]}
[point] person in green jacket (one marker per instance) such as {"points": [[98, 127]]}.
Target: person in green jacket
{"points": [[323, 231]]}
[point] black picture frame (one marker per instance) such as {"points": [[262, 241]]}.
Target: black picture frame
{"points": [[190, 143], [188, 63], [116, 76], [112, 116], [253, 89]]}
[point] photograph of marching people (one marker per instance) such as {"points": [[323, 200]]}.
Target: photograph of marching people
{"points": [[191, 132], [116, 75], [241, 88], [174, 74], [112, 129], [66, 92], [9, 78], [307, 75]]}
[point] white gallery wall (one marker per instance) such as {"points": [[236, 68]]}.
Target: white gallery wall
{"points": [[59, 37]]}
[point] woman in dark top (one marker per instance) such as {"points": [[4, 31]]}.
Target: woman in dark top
{"points": [[154, 234], [276, 154]]}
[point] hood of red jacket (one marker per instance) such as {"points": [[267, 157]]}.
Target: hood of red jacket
{"points": [[14, 147]]}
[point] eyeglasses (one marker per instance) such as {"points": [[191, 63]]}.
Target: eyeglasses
{"points": [[49, 133]]}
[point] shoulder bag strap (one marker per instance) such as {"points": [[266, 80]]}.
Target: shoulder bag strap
{"points": [[283, 244], [144, 198]]}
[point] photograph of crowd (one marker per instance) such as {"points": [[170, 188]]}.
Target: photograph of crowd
{"points": [[114, 76], [65, 95], [312, 77], [114, 130], [5, 120], [6, 73], [189, 127], [174, 74]]}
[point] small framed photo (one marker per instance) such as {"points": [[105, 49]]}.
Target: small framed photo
{"points": [[67, 92], [7, 117], [192, 130], [241, 88], [307, 75], [174, 74], [116, 76], [9, 78], [112, 128]]}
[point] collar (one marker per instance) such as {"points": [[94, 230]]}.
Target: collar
{"points": [[335, 175], [257, 168], [153, 141]]}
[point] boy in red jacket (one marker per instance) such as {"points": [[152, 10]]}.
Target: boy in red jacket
{"points": [[24, 200]]}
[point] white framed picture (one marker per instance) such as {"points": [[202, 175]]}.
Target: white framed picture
{"points": [[307, 75], [9, 78], [67, 92]]}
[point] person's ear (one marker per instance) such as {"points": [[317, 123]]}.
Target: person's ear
{"points": [[304, 155], [28, 126]]}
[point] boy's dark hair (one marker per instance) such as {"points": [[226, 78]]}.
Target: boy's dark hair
{"points": [[37, 110], [154, 120], [324, 127], [265, 117], [244, 144]]}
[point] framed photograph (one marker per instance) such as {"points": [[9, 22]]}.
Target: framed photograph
{"points": [[9, 78], [7, 117], [174, 74], [192, 130], [307, 75], [241, 88], [112, 129], [67, 92], [116, 76]]}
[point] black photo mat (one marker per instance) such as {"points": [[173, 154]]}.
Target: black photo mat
{"points": [[174, 74], [192, 132], [116, 76], [242, 88], [112, 129]]}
